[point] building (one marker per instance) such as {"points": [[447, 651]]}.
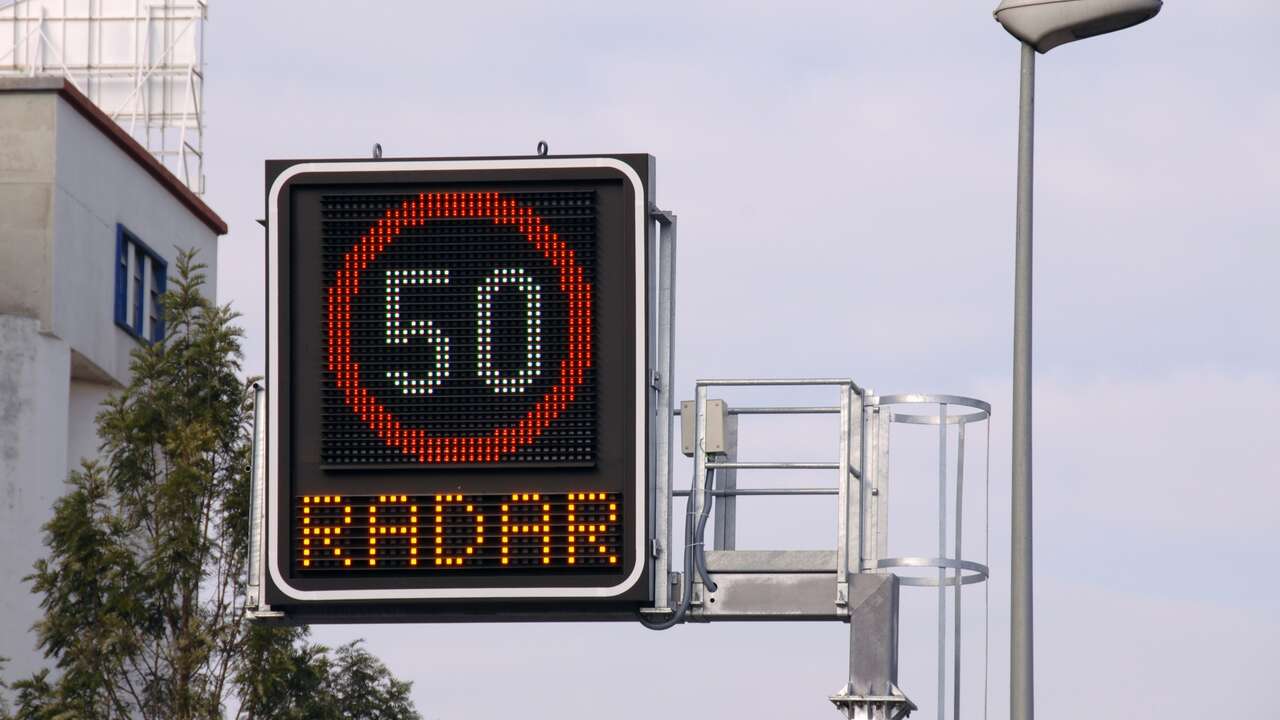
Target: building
{"points": [[90, 224]]}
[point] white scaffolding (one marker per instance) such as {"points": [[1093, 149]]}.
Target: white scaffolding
{"points": [[140, 61]]}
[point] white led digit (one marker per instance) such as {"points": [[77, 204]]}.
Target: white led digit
{"points": [[399, 333], [524, 376]]}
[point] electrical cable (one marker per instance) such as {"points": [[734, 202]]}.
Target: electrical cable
{"points": [[686, 589], [692, 559], [700, 546]]}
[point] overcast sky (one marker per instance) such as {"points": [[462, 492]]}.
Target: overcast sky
{"points": [[844, 178]]}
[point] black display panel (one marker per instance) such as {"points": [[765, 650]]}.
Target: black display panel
{"points": [[457, 376], [459, 328]]}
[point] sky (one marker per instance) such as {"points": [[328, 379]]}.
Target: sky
{"points": [[844, 178]]}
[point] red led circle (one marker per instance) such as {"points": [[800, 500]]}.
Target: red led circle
{"points": [[502, 441]]}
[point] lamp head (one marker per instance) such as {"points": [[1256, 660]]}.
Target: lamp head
{"points": [[1046, 24]]}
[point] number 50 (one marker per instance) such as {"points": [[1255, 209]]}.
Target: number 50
{"points": [[402, 333]]}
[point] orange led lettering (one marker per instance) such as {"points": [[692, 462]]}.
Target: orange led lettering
{"points": [[596, 537], [527, 539], [456, 546], [398, 518], [534, 529], [320, 517]]}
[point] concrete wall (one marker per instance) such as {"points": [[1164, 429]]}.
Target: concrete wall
{"points": [[97, 186], [34, 387], [84, 402], [26, 204]]}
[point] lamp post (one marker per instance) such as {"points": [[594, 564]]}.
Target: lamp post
{"points": [[1040, 25]]}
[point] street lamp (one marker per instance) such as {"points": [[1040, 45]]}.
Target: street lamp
{"points": [[1040, 25], [1046, 24]]}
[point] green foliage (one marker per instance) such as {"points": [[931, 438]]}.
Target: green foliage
{"points": [[37, 700], [143, 586], [88, 622], [363, 689], [282, 677], [297, 681]]}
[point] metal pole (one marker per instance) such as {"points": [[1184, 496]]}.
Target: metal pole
{"points": [[257, 497], [726, 481], [665, 364], [955, 663], [942, 553], [1021, 675], [845, 502], [698, 497]]}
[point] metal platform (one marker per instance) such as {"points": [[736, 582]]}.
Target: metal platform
{"points": [[857, 581]]}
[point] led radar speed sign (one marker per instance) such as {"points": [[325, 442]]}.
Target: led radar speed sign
{"points": [[457, 398]]}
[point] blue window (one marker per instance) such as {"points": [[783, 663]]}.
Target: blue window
{"points": [[140, 280]]}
